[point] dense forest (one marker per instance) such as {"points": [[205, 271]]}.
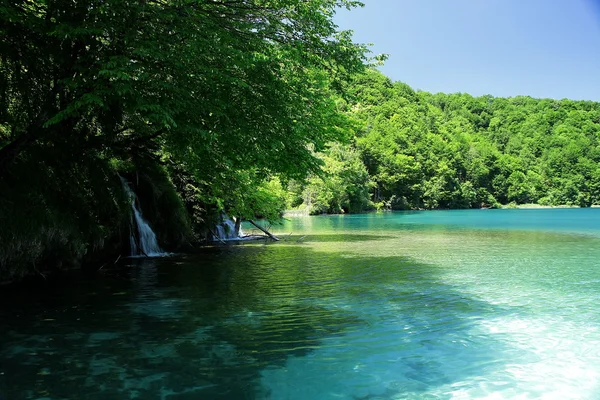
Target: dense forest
{"points": [[203, 106], [243, 108], [417, 150]]}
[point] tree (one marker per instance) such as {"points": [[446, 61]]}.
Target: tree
{"points": [[342, 187], [226, 95], [212, 77]]}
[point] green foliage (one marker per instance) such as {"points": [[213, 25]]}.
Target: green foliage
{"points": [[270, 198], [217, 99], [343, 186], [217, 106], [427, 150]]}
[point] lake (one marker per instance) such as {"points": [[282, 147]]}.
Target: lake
{"points": [[473, 304]]}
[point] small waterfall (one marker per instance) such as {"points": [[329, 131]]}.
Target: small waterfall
{"points": [[146, 245], [226, 230]]}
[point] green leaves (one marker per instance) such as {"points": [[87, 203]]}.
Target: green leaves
{"points": [[222, 88], [343, 186], [455, 151]]}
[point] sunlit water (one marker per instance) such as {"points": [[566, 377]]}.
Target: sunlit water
{"points": [[483, 304]]}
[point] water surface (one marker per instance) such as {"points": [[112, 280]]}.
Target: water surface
{"points": [[423, 305]]}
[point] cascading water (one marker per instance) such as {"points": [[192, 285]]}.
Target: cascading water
{"points": [[146, 243], [226, 230]]}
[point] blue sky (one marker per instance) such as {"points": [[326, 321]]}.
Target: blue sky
{"points": [[540, 48]]}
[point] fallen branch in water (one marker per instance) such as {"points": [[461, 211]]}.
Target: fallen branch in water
{"points": [[266, 232]]}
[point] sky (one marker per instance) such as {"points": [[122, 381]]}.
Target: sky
{"points": [[539, 48]]}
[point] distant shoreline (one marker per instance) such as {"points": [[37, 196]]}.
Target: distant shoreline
{"points": [[529, 206], [535, 206]]}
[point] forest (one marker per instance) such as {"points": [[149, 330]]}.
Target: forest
{"points": [[417, 150], [243, 108]]}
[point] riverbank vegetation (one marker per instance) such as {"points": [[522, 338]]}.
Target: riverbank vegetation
{"points": [[204, 106]]}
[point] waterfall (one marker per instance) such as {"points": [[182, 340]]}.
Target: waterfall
{"points": [[146, 245], [226, 229]]}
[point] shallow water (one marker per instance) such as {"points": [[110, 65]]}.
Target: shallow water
{"points": [[423, 305]]}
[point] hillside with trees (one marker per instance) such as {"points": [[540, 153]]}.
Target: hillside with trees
{"points": [[417, 150]]}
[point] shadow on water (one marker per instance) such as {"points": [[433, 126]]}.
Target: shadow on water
{"points": [[210, 324]]}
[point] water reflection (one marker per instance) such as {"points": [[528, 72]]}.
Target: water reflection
{"points": [[338, 316], [226, 324]]}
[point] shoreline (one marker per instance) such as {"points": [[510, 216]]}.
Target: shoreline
{"points": [[528, 206], [540, 206]]}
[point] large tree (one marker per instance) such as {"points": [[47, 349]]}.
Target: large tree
{"points": [[218, 83], [220, 98]]}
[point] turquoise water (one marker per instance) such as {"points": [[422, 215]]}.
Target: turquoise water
{"points": [[481, 304]]}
